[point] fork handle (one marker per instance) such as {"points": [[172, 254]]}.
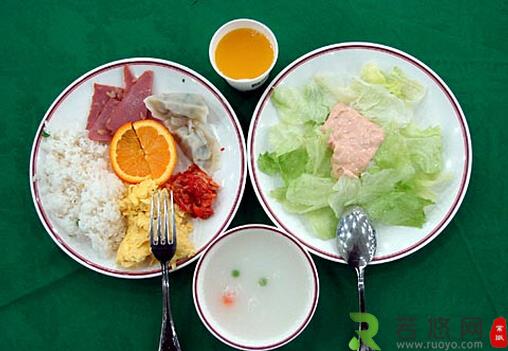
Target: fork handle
{"points": [[168, 340]]}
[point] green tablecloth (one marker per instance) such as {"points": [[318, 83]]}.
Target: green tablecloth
{"points": [[49, 302]]}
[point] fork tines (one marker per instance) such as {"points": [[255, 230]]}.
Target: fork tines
{"points": [[162, 211]]}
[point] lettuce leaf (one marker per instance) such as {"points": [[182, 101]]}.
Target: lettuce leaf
{"points": [[371, 73], [304, 194], [319, 154], [378, 104], [298, 106], [334, 90], [411, 145], [425, 148], [323, 222], [279, 194], [398, 208], [396, 82], [292, 164], [268, 163], [385, 196], [370, 98], [345, 193], [296, 149], [310, 191], [284, 137]]}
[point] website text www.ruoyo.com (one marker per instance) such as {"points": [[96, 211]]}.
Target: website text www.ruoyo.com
{"points": [[439, 345]]}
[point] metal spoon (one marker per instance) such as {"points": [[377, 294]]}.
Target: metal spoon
{"points": [[356, 243]]}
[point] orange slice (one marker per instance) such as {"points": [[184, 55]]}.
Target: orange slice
{"points": [[142, 150]]}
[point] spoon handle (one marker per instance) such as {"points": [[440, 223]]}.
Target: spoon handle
{"points": [[360, 273]]}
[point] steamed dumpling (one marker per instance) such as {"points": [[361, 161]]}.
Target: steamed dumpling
{"points": [[186, 116], [178, 104], [196, 142]]}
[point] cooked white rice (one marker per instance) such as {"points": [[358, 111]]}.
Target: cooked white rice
{"points": [[79, 191]]}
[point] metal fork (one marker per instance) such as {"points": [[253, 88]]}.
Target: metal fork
{"points": [[163, 244]]}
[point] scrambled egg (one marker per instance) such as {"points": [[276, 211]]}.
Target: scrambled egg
{"points": [[134, 249]]}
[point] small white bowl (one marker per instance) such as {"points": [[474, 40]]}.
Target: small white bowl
{"points": [[243, 84], [273, 281]]}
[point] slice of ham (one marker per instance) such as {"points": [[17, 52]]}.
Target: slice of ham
{"points": [[132, 108], [113, 106], [101, 95], [128, 78], [99, 131]]}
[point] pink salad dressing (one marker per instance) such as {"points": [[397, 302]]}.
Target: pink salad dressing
{"points": [[353, 138]]}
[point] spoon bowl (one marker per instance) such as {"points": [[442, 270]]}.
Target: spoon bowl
{"points": [[356, 243], [356, 238]]}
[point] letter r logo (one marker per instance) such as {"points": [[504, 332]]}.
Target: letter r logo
{"points": [[366, 336]]}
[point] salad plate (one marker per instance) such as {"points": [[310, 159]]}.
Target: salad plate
{"points": [[437, 108], [69, 113]]}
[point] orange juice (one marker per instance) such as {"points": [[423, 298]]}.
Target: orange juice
{"points": [[244, 53]]}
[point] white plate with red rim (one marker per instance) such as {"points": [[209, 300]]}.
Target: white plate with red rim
{"points": [[271, 283], [439, 107], [70, 110]]}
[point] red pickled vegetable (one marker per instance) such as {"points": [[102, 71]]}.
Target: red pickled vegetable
{"points": [[194, 191]]}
